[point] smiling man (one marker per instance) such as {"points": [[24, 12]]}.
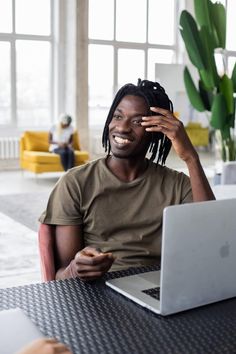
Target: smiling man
{"points": [[108, 213]]}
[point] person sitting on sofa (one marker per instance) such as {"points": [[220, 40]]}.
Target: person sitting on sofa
{"points": [[60, 140]]}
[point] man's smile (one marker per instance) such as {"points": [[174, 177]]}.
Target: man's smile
{"points": [[121, 140]]}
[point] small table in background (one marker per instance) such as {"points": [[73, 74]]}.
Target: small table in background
{"points": [[224, 191]]}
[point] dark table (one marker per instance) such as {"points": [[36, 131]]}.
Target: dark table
{"points": [[92, 318]]}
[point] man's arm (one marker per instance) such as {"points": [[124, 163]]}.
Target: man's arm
{"points": [[68, 241], [50, 138], [72, 260], [201, 189], [169, 125]]}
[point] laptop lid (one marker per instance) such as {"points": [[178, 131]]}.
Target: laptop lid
{"points": [[198, 254], [198, 259], [16, 331]]}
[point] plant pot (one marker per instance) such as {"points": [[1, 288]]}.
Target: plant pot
{"points": [[225, 173]]}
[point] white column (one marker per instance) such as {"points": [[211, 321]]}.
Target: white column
{"points": [[82, 72]]}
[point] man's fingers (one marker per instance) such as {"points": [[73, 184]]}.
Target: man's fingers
{"points": [[93, 271], [91, 263], [82, 268], [91, 257], [164, 112], [90, 251], [160, 120], [161, 129], [165, 124]]}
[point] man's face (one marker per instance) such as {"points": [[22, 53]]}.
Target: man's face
{"points": [[127, 137]]}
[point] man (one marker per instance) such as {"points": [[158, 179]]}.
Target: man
{"points": [[108, 213]]}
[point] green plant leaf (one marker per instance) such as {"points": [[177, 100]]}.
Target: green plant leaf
{"points": [[204, 18], [228, 148], [223, 151], [201, 9], [233, 77], [206, 96], [209, 75], [218, 16], [226, 88], [232, 120], [219, 112], [206, 79], [225, 133], [192, 40], [192, 92]]}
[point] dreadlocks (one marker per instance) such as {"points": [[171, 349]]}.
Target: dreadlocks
{"points": [[155, 96]]}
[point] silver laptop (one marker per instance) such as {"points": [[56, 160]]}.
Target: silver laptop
{"points": [[16, 331], [198, 260]]}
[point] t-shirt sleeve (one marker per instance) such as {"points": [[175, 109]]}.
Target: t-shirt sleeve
{"points": [[64, 204], [186, 190]]}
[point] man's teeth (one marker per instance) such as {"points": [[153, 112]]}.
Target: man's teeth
{"points": [[121, 140]]}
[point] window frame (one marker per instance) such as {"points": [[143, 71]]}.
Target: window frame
{"points": [[178, 46], [175, 47], [12, 38], [136, 45]]}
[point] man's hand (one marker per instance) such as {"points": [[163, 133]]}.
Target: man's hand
{"points": [[63, 145], [165, 122], [90, 264]]}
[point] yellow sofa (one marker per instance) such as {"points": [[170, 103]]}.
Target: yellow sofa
{"points": [[35, 157], [198, 135]]}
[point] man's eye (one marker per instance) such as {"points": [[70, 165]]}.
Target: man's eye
{"points": [[137, 122], [116, 116]]}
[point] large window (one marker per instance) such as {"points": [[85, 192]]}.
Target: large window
{"points": [[126, 39], [26, 40], [231, 30]]}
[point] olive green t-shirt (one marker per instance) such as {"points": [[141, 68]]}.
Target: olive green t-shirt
{"points": [[124, 218]]}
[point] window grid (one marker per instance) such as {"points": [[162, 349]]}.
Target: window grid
{"points": [[12, 38], [134, 45], [177, 48]]}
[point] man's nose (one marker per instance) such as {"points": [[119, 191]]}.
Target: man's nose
{"points": [[124, 125]]}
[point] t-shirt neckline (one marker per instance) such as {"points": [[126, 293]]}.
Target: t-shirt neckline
{"points": [[116, 179]]}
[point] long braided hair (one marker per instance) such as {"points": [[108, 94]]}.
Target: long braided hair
{"points": [[155, 96]]}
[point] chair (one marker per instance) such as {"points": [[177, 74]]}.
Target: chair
{"points": [[46, 238]]}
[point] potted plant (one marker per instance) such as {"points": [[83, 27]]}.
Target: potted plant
{"points": [[204, 36]]}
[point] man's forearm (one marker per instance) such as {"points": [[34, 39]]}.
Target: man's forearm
{"points": [[68, 241], [200, 186]]}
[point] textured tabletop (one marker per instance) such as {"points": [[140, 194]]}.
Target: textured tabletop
{"points": [[92, 318]]}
